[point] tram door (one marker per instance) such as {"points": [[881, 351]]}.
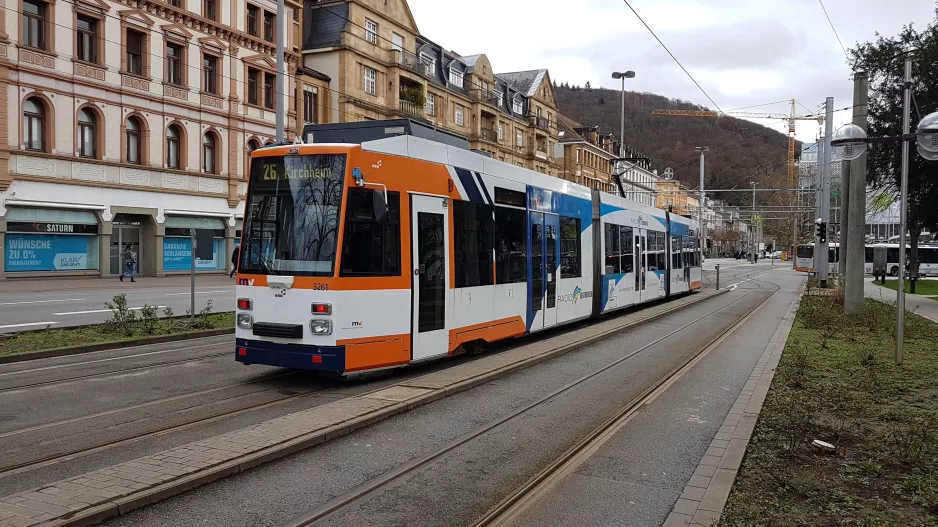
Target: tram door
{"points": [[430, 263], [544, 232], [641, 264]]}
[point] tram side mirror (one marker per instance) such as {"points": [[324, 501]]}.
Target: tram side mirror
{"points": [[380, 207]]}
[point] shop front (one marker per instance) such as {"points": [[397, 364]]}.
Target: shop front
{"points": [[177, 244], [50, 241]]}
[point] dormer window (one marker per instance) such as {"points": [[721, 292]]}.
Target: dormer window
{"points": [[517, 106], [501, 99], [455, 77]]}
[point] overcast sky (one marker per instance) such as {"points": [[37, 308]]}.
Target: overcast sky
{"points": [[743, 52]]}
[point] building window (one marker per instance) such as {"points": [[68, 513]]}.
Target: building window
{"points": [[253, 85], [208, 153], [253, 12], [133, 141], [431, 104], [501, 132], [175, 62], [34, 24], [519, 138], [270, 21], [459, 115], [549, 119], [371, 31], [501, 99], [371, 86], [517, 106], [87, 39], [175, 3], [397, 42], [310, 104], [473, 228], [270, 81], [537, 111], [173, 145], [136, 42], [211, 9], [210, 73], [371, 248], [455, 77], [87, 130], [34, 119], [429, 64]]}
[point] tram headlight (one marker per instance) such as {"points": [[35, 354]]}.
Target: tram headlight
{"points": [[320, 326], [245, 321]]}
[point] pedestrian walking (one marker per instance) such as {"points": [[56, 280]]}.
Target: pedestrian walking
{"points": [[129, 258], [234, 261]]}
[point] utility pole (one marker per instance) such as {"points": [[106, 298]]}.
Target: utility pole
{"points": [[700, 209], [752, 238], [903, 212], [281, 71], [856, 221], [821, 256]]}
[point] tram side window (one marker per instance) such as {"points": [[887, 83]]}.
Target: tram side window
{"points": [[628, 247], [570, 247], [892, 254], [869, 255], [613, 251], [929, 256], [473, 229], [657, 259], [676, 250], [511, 250], [370, 248]]}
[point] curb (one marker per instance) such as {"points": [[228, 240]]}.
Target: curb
{"points": [[703, 498], [118, 506], [116, 344]]}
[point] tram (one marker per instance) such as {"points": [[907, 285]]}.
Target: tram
{"points": [[928, 258], [385, 243]]}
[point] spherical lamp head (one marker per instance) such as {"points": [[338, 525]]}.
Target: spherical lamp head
{"points": [[927, 133], [849, 142], [930, 155]]}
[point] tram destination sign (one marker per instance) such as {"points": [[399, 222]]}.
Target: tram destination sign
{"points": [[52, 228]]}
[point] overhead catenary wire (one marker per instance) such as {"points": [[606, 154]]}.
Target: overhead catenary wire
{"points": [[829, 21]]}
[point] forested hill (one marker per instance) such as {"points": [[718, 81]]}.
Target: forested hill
{"points": [[670, 141]]}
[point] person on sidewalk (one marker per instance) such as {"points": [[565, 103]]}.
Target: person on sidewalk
{"points": [[234, 261], [130, 263]]}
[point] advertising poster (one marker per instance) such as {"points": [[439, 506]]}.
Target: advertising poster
{"points": [[45, 252], [177, 254]]}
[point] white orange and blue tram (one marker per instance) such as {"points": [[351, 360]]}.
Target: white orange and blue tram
{"points": [[361, 256]]}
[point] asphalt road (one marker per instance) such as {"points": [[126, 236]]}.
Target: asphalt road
{"points": [[23, 307], [461, 486]]}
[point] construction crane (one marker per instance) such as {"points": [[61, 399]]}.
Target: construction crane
{"points": [[752, 115]]}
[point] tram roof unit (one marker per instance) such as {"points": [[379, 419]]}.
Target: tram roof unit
{"points": [[365, 131]]}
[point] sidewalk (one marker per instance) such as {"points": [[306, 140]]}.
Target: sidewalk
{"points": [[918, 304], [44, 285]]}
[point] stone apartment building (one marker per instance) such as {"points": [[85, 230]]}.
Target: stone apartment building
{"points": [[673, 196], [587, 157], [381, 67], [131, 122]]}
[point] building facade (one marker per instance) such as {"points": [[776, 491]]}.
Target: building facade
{"points": [[674, 197], [381, 67], [130, 123]]}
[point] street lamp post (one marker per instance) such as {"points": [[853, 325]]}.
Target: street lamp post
{"points": [[622, 75], [700, 208], [851, 141]]}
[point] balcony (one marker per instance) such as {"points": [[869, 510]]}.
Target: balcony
{"points": [[484, 96], [537, 152], [488, 135], [410, 62], [540, 123], [410, 109]]}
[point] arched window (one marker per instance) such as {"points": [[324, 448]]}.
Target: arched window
{"points": [[87, 133], [133, 141], [208, 153], [173, 138], [34, 117], [253, 145]]}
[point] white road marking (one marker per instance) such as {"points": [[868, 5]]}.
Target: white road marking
{"points": [[42, 301], [28, 324], [200, 292], [98, 311]]}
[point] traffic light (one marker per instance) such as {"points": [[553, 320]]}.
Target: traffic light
{"points": [[822, 231]]}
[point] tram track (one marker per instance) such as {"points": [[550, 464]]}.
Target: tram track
{"points": [[70, 454], [368, 488]]}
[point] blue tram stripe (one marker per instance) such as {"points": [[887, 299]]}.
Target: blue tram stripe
{"points": [[469, 183], [484, 190]]}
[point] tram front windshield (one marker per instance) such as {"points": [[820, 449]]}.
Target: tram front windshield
{"points": [[291, 223]]}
